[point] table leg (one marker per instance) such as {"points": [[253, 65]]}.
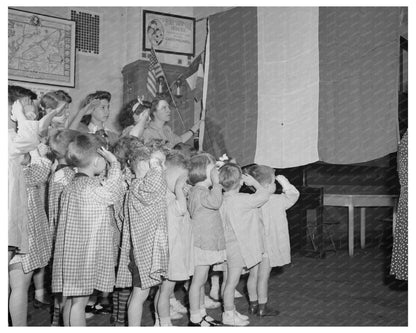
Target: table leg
{"points": [[362, 225], [351, 230]]}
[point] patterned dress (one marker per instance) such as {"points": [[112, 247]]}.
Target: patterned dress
{"points": [[40, 239], [84, 258], [58, 181], [399, 259], [145, 229]]}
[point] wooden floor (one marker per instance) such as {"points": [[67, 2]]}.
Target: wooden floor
{"points": [[335, 291]]}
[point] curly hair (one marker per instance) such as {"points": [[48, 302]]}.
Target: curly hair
{"points": [[16, 92], [124, 147]]}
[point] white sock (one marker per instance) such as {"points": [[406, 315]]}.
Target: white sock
{"points": [[203, 312], [39, 293], [263, 300], [196, 316], [165, 321]]}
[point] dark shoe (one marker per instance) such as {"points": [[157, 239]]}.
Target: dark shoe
{"points": [[103, 308], [212, 321], [205, 322], [264, 311], [89, 308], [253, 307]]}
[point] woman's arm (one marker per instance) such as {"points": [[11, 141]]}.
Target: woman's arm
{"points": [[75, 118], [138, 129], [190, 133]]}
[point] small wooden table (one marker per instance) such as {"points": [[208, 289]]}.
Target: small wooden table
{"points": [[362, 201]]}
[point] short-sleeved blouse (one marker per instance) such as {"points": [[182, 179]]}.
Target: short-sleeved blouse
{"points": [[164, 133]]}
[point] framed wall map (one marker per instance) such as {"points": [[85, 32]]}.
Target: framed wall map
{"points": [[41, 49], [168, 33]]}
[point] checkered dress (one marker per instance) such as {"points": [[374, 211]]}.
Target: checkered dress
{"points": [[40, 239], [145, 229], [58, 181], [84, 258]]}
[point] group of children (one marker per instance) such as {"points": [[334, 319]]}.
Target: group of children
{"points": [[138, 214]]}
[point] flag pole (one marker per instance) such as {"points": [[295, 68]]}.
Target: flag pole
{"points": [[204, 90], [170, 92]]}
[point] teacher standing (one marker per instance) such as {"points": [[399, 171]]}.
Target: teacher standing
{"points": [[157, 128]]}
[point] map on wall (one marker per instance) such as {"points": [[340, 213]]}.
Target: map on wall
{"points": [[41, 49]]}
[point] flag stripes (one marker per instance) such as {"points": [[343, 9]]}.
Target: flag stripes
{"points": [[155, 71]]}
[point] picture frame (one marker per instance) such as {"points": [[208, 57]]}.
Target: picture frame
{"points": [[168, 33], [41, 49]]}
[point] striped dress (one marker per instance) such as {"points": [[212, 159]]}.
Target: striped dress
{"points": [[145, 229], [83, 257], [40, 239]]}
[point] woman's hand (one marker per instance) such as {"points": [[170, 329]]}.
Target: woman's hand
{"points": [[144, 116], [90, 107], [108, 156]]}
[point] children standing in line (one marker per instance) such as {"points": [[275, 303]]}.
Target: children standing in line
{"points": [[276, 236], [145, 239], [22, 266], [83, 258], [243, 235], [61, 176], [208, 232], [180, 266]]}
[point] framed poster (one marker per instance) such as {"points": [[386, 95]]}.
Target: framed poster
{"points": [[168, 33], [41, 49]]}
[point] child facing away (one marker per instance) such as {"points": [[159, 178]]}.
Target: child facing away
{"points": [[243, 233], [83, 257], [180, 266], [209, 243], [61, 176], [276, 235], [23, 266], [122, 150], [144, 245]]}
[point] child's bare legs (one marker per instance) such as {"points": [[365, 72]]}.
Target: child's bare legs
{"points": [[163, 302], [263, 280], [77, 314], [215, 286], [231, 283], [19, 285], [39, 282], [58, 307], [195, 297], [66, 310], [252, 283], [135, 307]]}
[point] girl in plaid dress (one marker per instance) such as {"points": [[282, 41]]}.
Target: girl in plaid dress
{"points": [[22, 266], [122, 150], [145, 239], [61, 176], [83, 257]]}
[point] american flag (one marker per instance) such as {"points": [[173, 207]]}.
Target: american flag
{"points": [[155, 71]]}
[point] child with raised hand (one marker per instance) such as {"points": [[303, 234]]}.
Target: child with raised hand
{"points": [[243, 233], [209, 243], [276, 236], [83, 257], [180, 266], [61, 176], [36, 169], [144, 248], [122, 150]]}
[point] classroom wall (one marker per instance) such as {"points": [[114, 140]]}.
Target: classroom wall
{"points": [[120, 44]]}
